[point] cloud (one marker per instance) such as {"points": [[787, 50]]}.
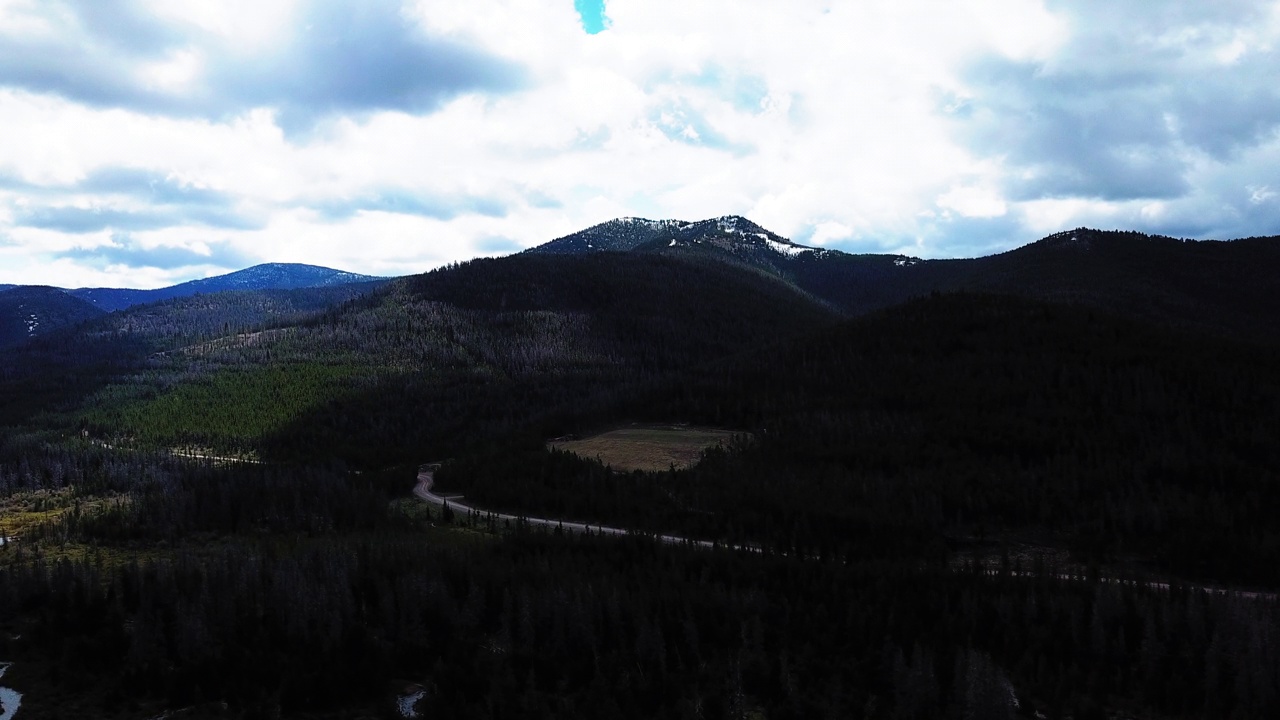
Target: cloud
{"points": [[391, 137], [963, 236], [361, 57], [83, 220], [329, 57], [150, 186], [73, 219], [126, 199], [1125, 109], [682, 123], [408, 203], [81, 49], [498, 245], [1156, 117], [125, 250], [974, 202]]}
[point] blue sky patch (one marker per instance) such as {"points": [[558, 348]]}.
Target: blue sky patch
{"points": [[592, 13]]}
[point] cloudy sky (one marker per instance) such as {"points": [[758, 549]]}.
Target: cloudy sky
{"points": [[147, 142]]}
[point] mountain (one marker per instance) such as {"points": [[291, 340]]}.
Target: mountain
{"points": [[731, 238], [730, 233], [1047, 419], [878, 456], [620, 235], [1219, 287], [270, 276], [488, 346], [498, 346], [31, 311], [67, 360], [1223, 287]]}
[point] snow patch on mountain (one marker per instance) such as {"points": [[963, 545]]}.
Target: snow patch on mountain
{"points": [[730, 233], [646, 222], [788, 250]]}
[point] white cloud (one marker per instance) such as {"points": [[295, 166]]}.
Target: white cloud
{"points": [[245, 24], [979, 202], [177, 73], [939, 127], [1045, 217]]}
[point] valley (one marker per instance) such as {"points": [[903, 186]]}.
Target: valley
{"points": [[988, 487]]}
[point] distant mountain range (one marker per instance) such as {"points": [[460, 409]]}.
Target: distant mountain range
{"points": [[1224, 287], [732, 238], [271, 276], [29, 311], [731, 233], [950, 441]]}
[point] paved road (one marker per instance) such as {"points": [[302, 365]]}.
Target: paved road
{"points": [[426, 478], [1157, 585]]}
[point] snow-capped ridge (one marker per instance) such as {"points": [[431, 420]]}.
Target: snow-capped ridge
{"points": [[790, 250], [646, 222], [734, 234]]}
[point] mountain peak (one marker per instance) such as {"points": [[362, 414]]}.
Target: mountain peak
{"points": [[1083, 238], [267, 276], [281, 276], [30, 310], [737, 223], [733, 234]]}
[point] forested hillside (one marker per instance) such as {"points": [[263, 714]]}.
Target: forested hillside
{"points": [[206, 502], [952, 418], [270, 276], [30, 312], [1218, 288], [248, 591], [1222, 288], [429, 364], [57, 371]]}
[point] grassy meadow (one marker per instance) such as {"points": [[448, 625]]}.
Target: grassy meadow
{"points": [[647, 448]]}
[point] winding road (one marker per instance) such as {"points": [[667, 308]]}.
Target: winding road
{"points": [[426, 479]]}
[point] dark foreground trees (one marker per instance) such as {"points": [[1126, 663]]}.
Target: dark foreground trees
{"points": [[306, 602], [570, 627]]}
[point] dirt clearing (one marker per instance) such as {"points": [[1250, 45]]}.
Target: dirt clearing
{"points": [[648, 448]]}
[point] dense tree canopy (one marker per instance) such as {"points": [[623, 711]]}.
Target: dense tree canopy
{"points": [[210, 502]]}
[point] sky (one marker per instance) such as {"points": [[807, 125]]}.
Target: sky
{"points": [[149, 142]]}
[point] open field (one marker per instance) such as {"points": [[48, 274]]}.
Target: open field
{"points": [[23, 510], [648, 448]]}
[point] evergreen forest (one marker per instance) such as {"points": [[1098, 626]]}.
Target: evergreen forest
{"points": [[979, 493]]}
